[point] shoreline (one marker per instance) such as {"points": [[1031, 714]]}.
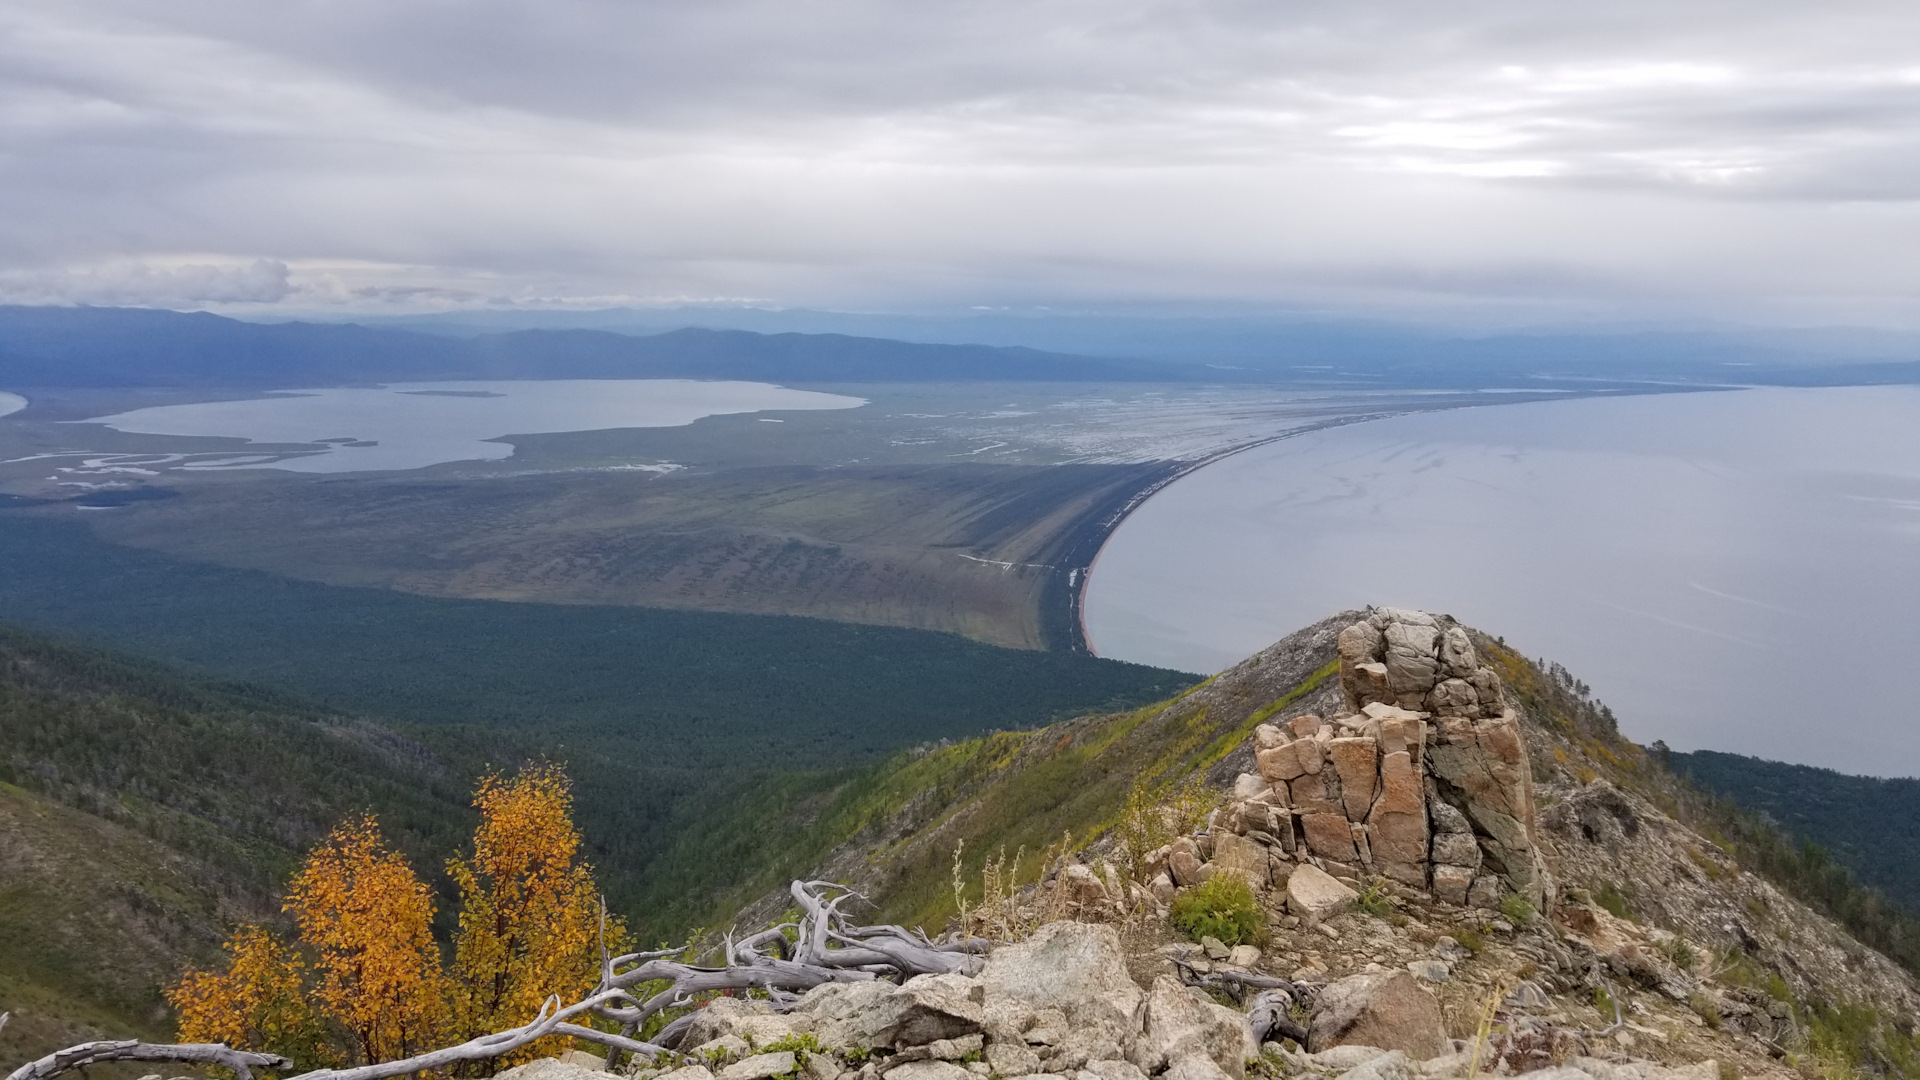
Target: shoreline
{"points": [[1063, 601]]}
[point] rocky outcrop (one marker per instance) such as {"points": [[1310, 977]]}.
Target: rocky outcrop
{"points": [[1423, 778], [1060, 1002]]}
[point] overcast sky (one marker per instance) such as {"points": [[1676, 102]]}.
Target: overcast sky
{"points": [[1632, 160]]}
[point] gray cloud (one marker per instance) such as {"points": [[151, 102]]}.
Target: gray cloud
{"points": [[135, 284], [1502, 159]]}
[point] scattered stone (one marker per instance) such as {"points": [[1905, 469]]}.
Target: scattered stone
{"points": [[689, 1072], [762, 1067], [1433, 971], [927, 1070], [1214, 947], [1244, 956], [1011, 1058], [724, 1048], [554, 1069], [1314, 895], [587, 1061]]}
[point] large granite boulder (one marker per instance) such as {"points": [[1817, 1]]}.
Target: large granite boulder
{"points": [[1389, 1010], [1183, 1023]]}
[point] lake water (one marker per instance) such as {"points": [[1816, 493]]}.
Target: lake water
{"points": [[11, 403], [1734, 571], [413, 425]]}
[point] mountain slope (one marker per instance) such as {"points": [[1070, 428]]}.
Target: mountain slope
{"points": [[55, 346], [1772, 954], [143, 815], [1870, 825]]}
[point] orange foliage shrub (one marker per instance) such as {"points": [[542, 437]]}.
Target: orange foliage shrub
{"points": [[368, 920], [529, 928], [529, 914], [259, 1002]]}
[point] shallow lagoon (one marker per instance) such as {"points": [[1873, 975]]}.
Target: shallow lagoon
{"points": [[413, 425], [1737, 571]]}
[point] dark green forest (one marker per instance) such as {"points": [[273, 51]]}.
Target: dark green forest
{"points": [[704, 746], [1866, 824]]}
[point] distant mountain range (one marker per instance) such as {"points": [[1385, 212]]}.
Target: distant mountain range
{"points": [[81, 346]]}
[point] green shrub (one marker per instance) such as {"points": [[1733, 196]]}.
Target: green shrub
{"points": [[1517, 908], [1614, 901], [1375, 900], [1473, 939], [1221, 907]]}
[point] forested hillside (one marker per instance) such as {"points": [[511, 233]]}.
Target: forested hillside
{"points": [[141, 813], [704, 746], [1868, 824]]}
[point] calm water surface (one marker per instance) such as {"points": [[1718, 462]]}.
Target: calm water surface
{"points": [[1736, 571], [11, 403], [413, 425]]}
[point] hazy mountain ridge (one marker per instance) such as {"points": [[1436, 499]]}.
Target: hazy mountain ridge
{"points": [[100, 347]]}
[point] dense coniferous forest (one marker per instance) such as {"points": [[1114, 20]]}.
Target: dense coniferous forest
{"points": [[1865, 824], [701, 743]]}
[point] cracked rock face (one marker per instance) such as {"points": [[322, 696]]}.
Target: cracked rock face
{"points": [[1424, 777]]}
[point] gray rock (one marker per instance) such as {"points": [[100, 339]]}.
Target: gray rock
{"points": [[822, 1067], [690, 1072], [760, 1067], [955, 1049], [754, 1021], [724, 1048], [928, 1070], [552, 1069], [1183, 1022], [1450, 884], [878, 1014], [1432, 971], [1194, 1067], [1456, 849], [1446, 817], [1341, 1059], [1011, 1059], [1385, 1009], [1078, 969], [1313, 894], [1115, 1069], [1392, 1065]]}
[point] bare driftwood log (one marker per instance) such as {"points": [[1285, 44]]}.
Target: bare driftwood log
{"points": [[94, 1053], [823, 947]]}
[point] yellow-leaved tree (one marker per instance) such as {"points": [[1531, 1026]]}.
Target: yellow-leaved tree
{"points": [[259, 1002], [369, 922], [529, 913], [365, 982]]}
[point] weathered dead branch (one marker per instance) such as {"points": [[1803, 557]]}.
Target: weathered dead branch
{"points": [[95, 1053], [824, 947]]}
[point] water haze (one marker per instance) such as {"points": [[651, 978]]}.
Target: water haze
{"points": [[1736, 571], [413, 425]]}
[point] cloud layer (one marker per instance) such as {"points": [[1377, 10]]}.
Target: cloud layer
{"points": [[1500, 159]]}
